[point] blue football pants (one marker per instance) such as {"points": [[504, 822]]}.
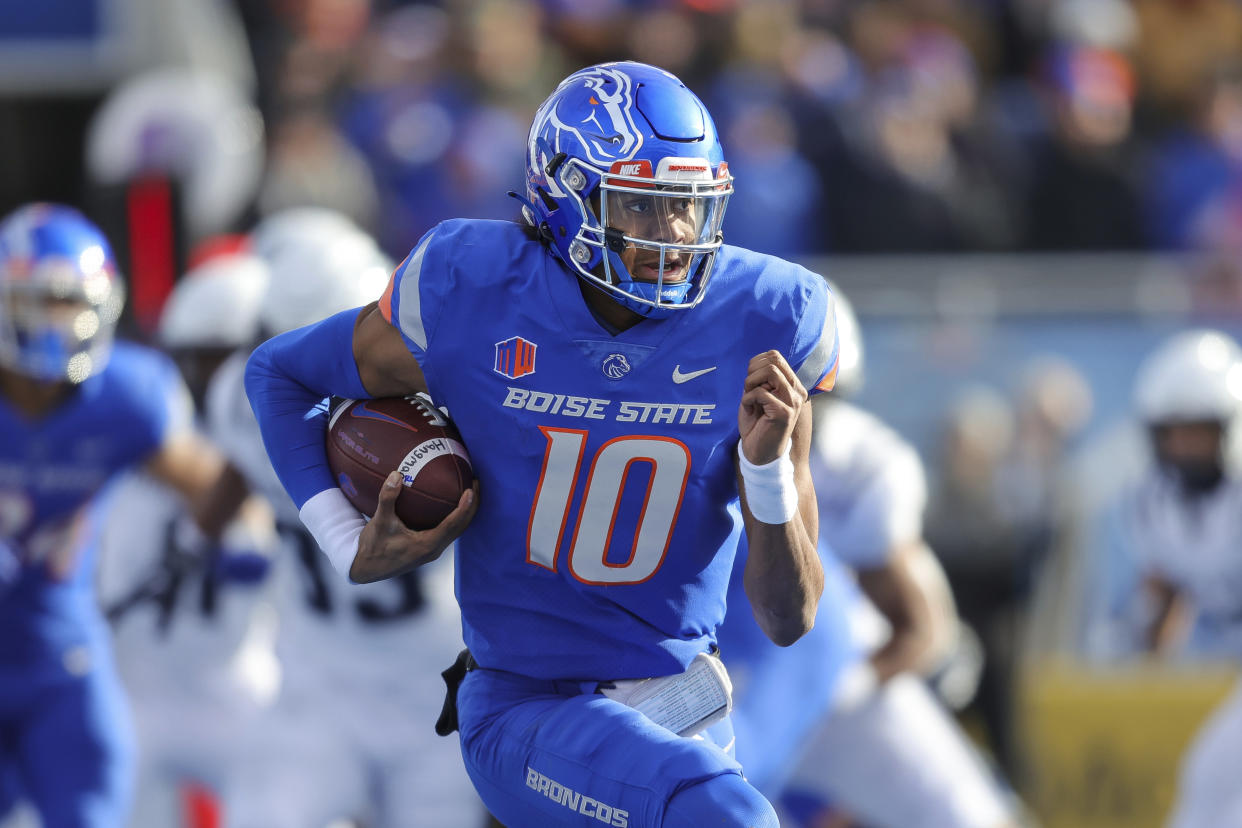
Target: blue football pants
{"points": [[544, 753], [67, 743]]}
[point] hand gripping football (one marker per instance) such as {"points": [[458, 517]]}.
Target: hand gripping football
{"points": [[367, 439]]}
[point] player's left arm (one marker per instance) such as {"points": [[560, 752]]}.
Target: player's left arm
{"points": [[177, 453], [916, 620], [213, 491], [783, 578], [882, 540]]}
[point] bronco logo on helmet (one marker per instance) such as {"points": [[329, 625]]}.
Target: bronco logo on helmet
{"points": [[607, 134]]}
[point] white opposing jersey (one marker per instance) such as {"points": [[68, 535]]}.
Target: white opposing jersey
{"points": [[325, 622], [1194, 543], [234, 429], [869, 483], [175, 618]]}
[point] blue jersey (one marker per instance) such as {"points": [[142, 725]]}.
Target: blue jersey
{"points": [[51, 471], [603, 542]]}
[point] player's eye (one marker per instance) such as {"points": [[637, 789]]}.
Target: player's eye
{"points": [[638, 206]]}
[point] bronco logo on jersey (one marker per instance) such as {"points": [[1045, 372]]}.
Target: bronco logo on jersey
{"points": [[515, 357], [615, 366]]}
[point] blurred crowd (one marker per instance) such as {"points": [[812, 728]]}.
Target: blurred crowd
{"points": [[886, 125], [896, 125]]}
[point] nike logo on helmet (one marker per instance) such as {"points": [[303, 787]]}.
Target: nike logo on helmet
{"points": [[679, 377]]}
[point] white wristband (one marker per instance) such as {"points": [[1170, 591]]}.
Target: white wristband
{"points": [[771, 491], [335, 524]]}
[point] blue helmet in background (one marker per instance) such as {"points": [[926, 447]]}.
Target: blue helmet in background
{"points": [[623, 162], [60, 295]]}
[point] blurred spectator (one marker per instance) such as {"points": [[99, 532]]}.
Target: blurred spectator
{"points": [[196, 128], [434, 145], [311, 164], [760, 116], [754, 107], [782, 189], [918, 169], [1179, 43], [1084, 193], [312, 44], [669, 37], [971, 532], [1196, 170], [173, 156], [997, 511], [510, 61], [1053, 404]]}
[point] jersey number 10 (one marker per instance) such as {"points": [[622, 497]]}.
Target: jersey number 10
{"points": [[669, 463]]}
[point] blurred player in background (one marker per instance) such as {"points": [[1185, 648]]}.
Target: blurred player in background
{"points": [[191, 637], [843, 722], [1185, 521], [76, 409], [350, 735], [618, 376]]}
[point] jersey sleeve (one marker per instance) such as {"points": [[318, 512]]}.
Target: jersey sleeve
{"points": [[816, 347], [288, 380], [887, 512], [163, 406], [419, 288]]}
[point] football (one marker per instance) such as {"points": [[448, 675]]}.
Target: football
{"points": [[367, 439]]}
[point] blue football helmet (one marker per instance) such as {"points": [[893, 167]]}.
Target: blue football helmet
{"points": [[60, 295], [626, 181]]}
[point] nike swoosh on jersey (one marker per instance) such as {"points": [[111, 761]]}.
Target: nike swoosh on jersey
{"points": [[679, 377]]}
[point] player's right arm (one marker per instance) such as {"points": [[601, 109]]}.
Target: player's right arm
{"points": [[387, 547], [354, 354], [881, 538], [917, 619]]}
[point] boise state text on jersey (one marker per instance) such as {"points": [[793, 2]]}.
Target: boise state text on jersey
{"points": [[603, 543]]}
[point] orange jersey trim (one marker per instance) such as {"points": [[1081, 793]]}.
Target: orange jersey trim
{"points": [[385, 301], [830, 379]]}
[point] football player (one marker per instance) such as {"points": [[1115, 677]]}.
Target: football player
{"points": [[189, 627], [76, 409], [620, 377], [1185, 522], [349, 735], [843, 720]]}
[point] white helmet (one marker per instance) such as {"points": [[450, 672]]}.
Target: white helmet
{"points": [[1195, 375], [216, 304], [312, 279], [849, 336], [295, 225]]}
